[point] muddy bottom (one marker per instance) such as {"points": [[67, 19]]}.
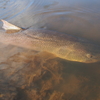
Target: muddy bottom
{"points": [[26, 75]]}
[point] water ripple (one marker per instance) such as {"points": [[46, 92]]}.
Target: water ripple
{"points": [[12, 8]]}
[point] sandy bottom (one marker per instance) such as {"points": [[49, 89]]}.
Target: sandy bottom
{"points": [[25, 75]]}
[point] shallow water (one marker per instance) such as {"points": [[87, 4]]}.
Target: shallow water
{"points": [[24, 74]]}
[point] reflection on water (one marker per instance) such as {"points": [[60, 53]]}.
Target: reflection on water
{"points": [[28, 75]]}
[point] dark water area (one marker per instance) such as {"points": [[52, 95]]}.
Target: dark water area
{"points": [[28, 75]]}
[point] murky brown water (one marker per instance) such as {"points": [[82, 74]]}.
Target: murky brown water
{"points": [[28, 75]]}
